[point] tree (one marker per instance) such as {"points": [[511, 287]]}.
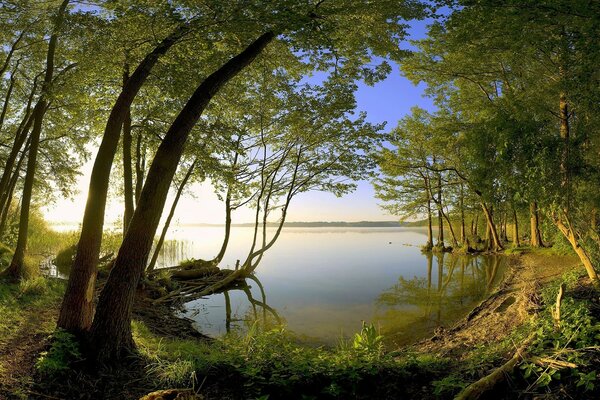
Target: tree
{"points": [[16, 269]]}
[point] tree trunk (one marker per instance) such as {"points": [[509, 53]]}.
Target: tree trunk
{"points": [[569, 234], [127, 172], [111, 330], [16, 269], [21, 134], [140, 167], [429, 227], [9, 91], [10, 191], [504, 228], [497, 245], [463, 234], [163, 234], [536, 236], [221, 254], [516, 241], [77, 307]]}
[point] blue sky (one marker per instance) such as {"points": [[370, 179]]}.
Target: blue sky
{"points": [[388, 100]]}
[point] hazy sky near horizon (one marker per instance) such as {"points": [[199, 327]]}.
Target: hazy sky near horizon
{"points": [[388, 100]]}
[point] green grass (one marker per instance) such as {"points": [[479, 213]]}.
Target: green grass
{"points": [[19, 302], [271, 362]]}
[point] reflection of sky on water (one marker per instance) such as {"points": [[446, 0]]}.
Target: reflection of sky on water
{"points": [[324, 282]]}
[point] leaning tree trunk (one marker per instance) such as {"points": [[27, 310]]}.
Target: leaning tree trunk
{"points": [[77, 307], [223, 249], [127, 170], [21, 134], [111, 329], [16, 269], [536, 235], [11, 189], [569, 234], [140, 167], [9, 91], [165, 229], [497, 245]]}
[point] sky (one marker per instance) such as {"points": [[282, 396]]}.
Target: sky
{"points": [[388, 100]]}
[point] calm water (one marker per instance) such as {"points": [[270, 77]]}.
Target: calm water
{"points": [[323, 282]]}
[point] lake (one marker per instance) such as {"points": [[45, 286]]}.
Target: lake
{"points": [[323, 282]]}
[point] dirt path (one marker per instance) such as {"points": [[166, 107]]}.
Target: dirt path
{"points": [[19, 351], [511, 305]]}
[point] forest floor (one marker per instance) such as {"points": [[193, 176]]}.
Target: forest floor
{"points": [[173, 354]]}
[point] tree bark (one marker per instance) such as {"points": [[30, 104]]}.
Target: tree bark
{"points": [[77, 307], [165, 229], [111, 329], [497, 245], [516, 241], [223, 249], [127, 171], [536, 236], [9, 91], [429, 227], [16, 269], [463, 233], [11, 189], [20, 135], [569, 234], [140, 167]]}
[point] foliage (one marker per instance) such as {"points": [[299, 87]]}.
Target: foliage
{"points": [[270, 362], [368, 340], [64, 350], [572, 341]]}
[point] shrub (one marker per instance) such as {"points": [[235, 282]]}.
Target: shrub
{"points": [[64, 350]]}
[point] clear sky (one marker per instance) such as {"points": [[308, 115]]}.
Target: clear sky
{"points": [[388, 100]]}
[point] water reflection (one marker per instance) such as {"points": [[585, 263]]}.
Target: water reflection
{"points": [[256, 311], [324, 281], [409, 310], [413, 308]]}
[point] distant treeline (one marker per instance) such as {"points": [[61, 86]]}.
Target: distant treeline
{"points": [[335, 224]]}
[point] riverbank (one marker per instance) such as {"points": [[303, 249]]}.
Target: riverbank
{"points": [[269, 361]]}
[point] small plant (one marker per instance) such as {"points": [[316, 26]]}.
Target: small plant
{"points": [[63, 351], [448, 386], [368, 340]]}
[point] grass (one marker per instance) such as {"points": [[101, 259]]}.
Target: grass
{"points": [[19, 301], [270, 362]]}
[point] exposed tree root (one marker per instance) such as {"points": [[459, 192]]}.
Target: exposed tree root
{"points": [[477, 389]]}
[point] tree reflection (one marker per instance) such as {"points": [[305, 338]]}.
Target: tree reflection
{"points": [[269, 315], [413, 307]]}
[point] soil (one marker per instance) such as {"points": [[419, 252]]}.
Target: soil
{"points": [[19, 352], [513, 303]]}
